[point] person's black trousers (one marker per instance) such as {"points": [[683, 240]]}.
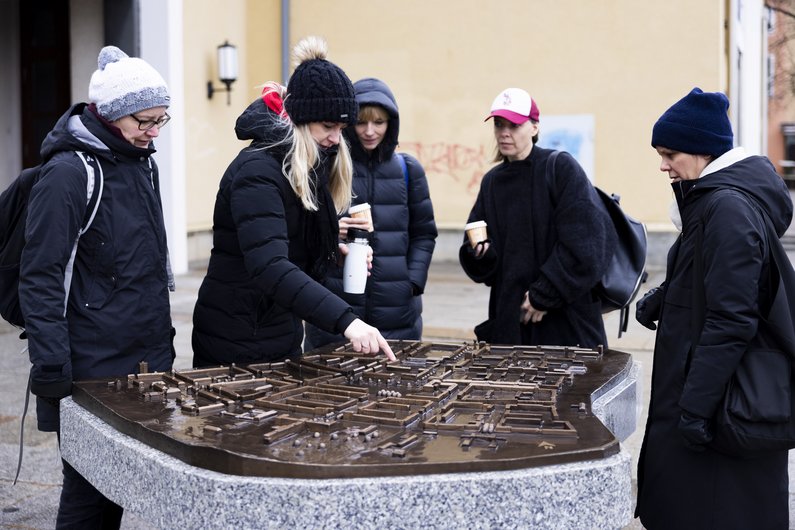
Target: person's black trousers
{"points": [[83, 507]]}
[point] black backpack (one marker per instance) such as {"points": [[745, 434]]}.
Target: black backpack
{"points": [[627, 270], [13, 214]]}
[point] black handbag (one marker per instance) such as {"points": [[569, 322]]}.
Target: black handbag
{"points": [[757, 412]]}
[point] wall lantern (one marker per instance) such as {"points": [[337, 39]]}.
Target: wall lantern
{"points": [[227, 71]]}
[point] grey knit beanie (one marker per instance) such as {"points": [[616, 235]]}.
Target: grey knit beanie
{"points": [[124, 85]]}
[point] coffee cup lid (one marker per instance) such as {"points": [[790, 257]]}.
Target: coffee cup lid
{"points": [[475, 224], [359, 208]]}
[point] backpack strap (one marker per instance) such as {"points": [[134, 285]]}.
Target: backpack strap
{"points": [[550, 177], [405, 168], [95, 182], [22, 431]]}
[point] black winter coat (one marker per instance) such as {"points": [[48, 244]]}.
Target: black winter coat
{"points": [[677, 487], [548, 238], [118, 312], [404, 234], [257, 290]]}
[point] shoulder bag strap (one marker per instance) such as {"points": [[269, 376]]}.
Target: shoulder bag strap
{"points": [[95, 183], [550, 175], [404, 167]]}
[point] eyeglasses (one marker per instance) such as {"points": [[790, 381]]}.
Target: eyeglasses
{"points": [[145, 125]]}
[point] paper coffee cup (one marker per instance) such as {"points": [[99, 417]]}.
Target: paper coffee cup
{"points": [[362, 211], [476, 232]]}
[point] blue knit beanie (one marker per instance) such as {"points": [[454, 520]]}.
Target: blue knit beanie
{"points": [[697, 124]]}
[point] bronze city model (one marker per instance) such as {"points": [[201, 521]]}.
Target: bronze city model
{"points": [[441, 408]]}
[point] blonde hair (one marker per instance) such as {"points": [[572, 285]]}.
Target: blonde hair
{"points": [[372, 113], [302, 156]]}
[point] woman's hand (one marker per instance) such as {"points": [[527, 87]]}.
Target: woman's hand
{"points": [[530, 313], [349, 222], [481, 248], [344, 252], [648, 308], [366, 339]]}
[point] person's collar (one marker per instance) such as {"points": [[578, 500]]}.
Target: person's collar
{"points": [[725, 160]]}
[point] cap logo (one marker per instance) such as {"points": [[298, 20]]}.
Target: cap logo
{"points": [[506, 98], [343, 115]]}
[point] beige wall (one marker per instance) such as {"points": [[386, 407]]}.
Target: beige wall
{"points": [[252, 26], [622, 61]]}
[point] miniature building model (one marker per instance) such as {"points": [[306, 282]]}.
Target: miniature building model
{"points": [[333, 413]]}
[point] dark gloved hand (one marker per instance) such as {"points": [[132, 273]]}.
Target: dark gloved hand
{"points": [[647, 309], [51, 382], [696, 431]]}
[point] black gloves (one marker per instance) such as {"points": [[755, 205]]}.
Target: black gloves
{"points": [[51, 382], [696, 431], [647, 309]]}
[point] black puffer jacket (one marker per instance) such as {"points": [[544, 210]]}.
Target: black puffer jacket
{"points": [[677, 487], [404, 234], [557, 253], [118, 312], [257, 291]]}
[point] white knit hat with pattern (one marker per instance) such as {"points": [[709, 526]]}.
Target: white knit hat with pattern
{"points": [[124, 85]]}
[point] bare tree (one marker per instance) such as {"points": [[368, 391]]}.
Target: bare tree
{"points": [[782, 48]]}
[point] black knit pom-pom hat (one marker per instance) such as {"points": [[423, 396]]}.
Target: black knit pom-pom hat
{"points": [[318, 90]]}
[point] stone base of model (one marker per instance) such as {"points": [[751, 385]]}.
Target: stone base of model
{"points": [[169, 493]]}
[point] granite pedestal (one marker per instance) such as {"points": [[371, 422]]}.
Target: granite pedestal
{"points": [[169, 493]]}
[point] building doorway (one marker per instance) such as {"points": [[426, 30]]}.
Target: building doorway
{"points": [[45, 82]]}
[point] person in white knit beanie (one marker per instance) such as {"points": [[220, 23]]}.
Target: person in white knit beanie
{"points": [[124, 85], [100, 307]]}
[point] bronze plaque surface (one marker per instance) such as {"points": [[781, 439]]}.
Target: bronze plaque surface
{"points": [[442, 407]]}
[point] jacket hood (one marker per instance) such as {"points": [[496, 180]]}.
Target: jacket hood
{"points": [[258, 123], [755, 176], [80, 129], [372, 91]]}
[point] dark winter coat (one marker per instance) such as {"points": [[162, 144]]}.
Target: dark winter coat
{"points": [[548, 238], [257, 290], [404, 229], [118, 312], [678, 487]]}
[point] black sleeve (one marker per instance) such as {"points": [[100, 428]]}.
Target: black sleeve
{"points": [[480, 270], [56, 209], [586, 239], [258, 211]]}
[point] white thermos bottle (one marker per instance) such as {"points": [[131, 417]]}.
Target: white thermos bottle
{"points": [[354, 271]]}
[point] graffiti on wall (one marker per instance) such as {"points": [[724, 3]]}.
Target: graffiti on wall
{"points": [[461, 163], [455, 170], [466, 165]]}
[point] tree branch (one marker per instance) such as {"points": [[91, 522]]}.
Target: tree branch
{"points": [[780, 10]]}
